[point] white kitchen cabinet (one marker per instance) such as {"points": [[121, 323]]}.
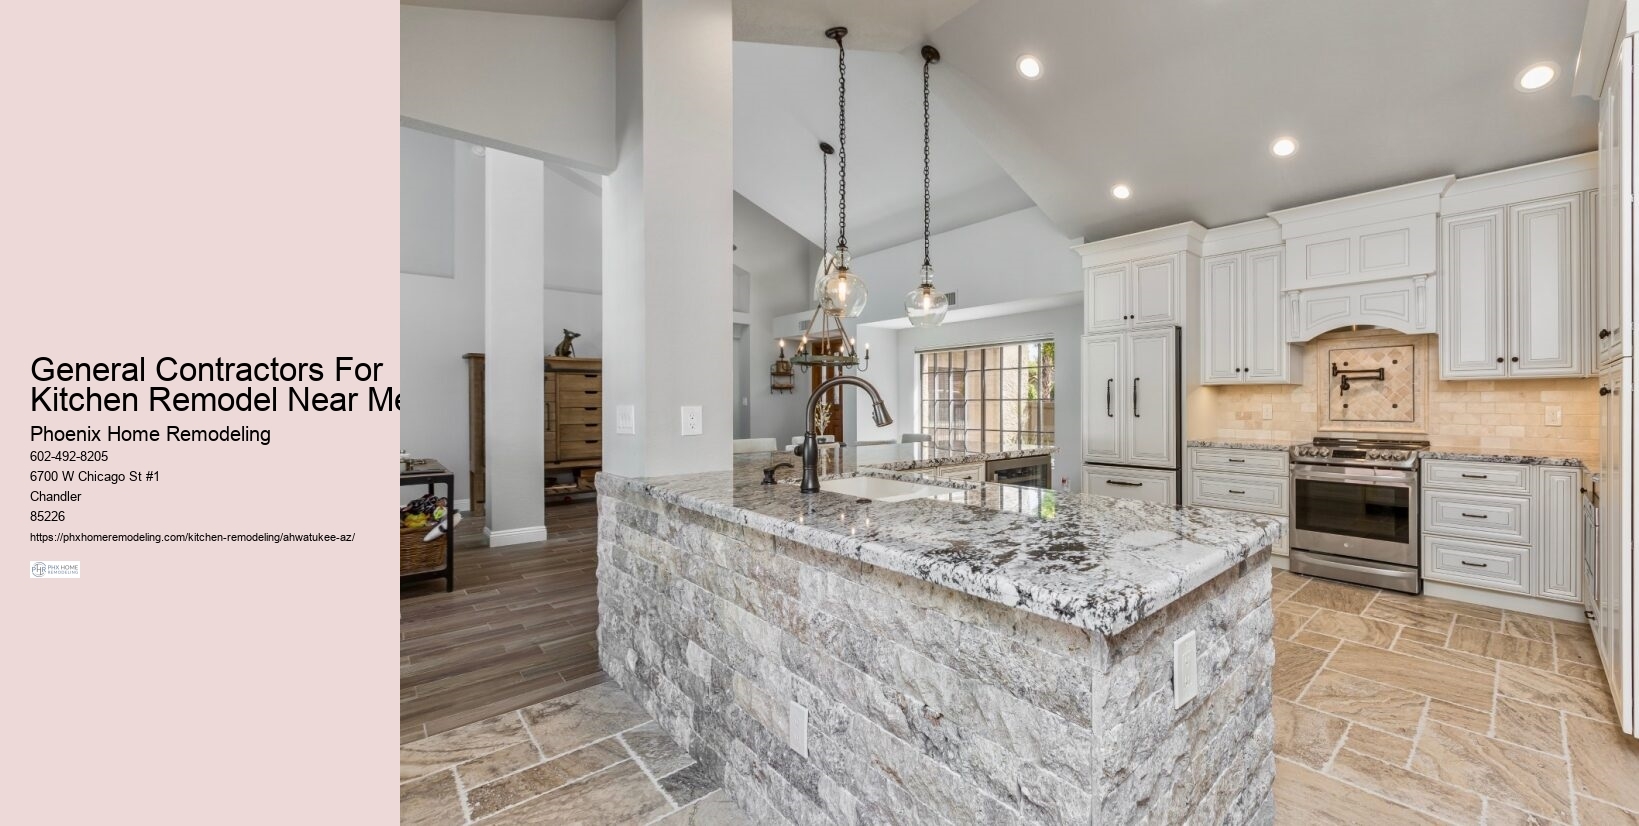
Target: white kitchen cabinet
{"points": [[1513, 303], [1250, 481], [1243, 338], [1614, 604], [1559, 563], [1545, 285], [1503, 526], [1613, 297], [1404, 304], [1144, 293], [1471, 337], [1158, 486], [1130, 402]]}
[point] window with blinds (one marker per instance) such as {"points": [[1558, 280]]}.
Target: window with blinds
{"points": [[997, 397]]}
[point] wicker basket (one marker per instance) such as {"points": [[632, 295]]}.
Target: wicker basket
{"points": [[416, 556]]}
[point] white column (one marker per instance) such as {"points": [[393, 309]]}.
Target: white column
{"points": [[668, 239], [514, 341]]}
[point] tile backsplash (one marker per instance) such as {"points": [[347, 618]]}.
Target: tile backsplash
{"points": [[1509, 415]]}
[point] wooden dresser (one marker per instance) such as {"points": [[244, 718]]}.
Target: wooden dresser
{"points": [[573, 425]]}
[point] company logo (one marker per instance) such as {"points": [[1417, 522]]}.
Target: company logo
{"points": [[54, 570]]}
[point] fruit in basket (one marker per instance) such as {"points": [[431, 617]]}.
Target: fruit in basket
{"points": [[415, 520]]}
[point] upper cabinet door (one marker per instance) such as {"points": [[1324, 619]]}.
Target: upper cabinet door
{"points": [[1265, 355], [1472, 340], [1612, 311], [1156, 291], [1151, 395], [1220, 319], [1544, 257], [1106, 298], [1101, 398]]}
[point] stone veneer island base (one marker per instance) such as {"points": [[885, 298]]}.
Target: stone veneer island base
{"points": [[837, 661]]}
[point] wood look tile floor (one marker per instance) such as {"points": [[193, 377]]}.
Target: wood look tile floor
{"points": [[520, 626], [1389, 709]]}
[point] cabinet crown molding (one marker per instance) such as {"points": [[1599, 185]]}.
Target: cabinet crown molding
{"points": [[1247, 235], [1576, 173], [1396, 202], [1184, 237]]}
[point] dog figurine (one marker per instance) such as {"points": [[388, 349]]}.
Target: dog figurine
{"points": [[566, 348]]}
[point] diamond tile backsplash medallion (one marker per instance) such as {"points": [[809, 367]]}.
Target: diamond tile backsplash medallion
{"points": [[1367, 399]]}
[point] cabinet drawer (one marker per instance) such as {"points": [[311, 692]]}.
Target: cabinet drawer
{"points": [[1123, 483], [580, 431], [1486, 476], [579, 382], [1481, 564], [580, 414], [1239, 461], [1478, 516], [970, 472], [580, 398], [589, 447], [1239, 492]]}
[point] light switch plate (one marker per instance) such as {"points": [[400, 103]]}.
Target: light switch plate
{"points": [[1185, 682], [625, 418], [691, 420], [1552, 416]]}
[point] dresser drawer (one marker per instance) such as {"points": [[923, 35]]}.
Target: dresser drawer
{"points": [[1264, 462], [1491, 477], [580, 414], [580, 431], [579, 382], [1478, 516], [1481, 564], [1260, 494], [589, 447], [580, 398], [1124, 483]]}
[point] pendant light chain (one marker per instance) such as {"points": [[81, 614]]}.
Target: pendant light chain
{"points": [[842, 143], [825, 200], [927, 202]]}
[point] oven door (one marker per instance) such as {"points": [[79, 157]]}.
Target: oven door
{"points": [[1367, 513]]}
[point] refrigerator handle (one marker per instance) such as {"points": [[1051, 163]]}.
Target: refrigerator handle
{"points": [[1135, 397], [1109, 398]]}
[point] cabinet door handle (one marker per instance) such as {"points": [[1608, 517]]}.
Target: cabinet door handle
{"points": [[1476, 476], [1476, 516], [1123, 484], [1237, 492], [1474, 564], [1109, 398], [1238, 461], [1135, 398]]}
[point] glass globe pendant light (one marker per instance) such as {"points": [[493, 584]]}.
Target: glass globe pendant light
{"points": [[845, 293], [925, 306]]}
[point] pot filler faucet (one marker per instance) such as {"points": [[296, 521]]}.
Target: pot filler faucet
{"points": [[810, 443]]}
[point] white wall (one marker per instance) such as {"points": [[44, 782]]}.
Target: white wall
{"points": [[442, 318], [1062, 325], [426, 215], [538, 86], [781, 265]]}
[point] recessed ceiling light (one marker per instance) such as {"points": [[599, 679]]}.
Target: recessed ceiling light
{"points": [[1121, 191], [1283, 146], [1030, 66], [1536, 76]]}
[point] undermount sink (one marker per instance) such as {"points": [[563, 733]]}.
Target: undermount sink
{"points": [[880, 490]]}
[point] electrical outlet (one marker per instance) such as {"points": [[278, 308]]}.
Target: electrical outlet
{"points": [[797, 725], [691, 420], [1552, 416], [625, 418], [1268, 412], [1185, 682]]}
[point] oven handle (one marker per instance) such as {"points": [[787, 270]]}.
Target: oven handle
{"points": [[1308, 475]]}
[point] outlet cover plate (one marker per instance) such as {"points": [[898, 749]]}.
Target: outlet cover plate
{"points": [[691, 420], [1185, 680]]}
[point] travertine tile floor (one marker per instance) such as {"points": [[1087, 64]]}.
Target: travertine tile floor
{"points": [[1389, 709], [1394, 709], [591, 757]]}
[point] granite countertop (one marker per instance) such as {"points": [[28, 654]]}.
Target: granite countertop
{"points": [[1089, 561], [900, 456], [1470, 454], [1245, 444]]}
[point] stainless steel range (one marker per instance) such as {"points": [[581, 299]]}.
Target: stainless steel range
{"points": [[1354, 512]]}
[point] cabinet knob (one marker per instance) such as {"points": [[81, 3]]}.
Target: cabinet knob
{"points": [[1499, 359], [1516, 358], [1604, 333], [1604, 391]]}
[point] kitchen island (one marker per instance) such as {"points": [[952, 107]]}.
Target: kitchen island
{"points": [[976, 654]]}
